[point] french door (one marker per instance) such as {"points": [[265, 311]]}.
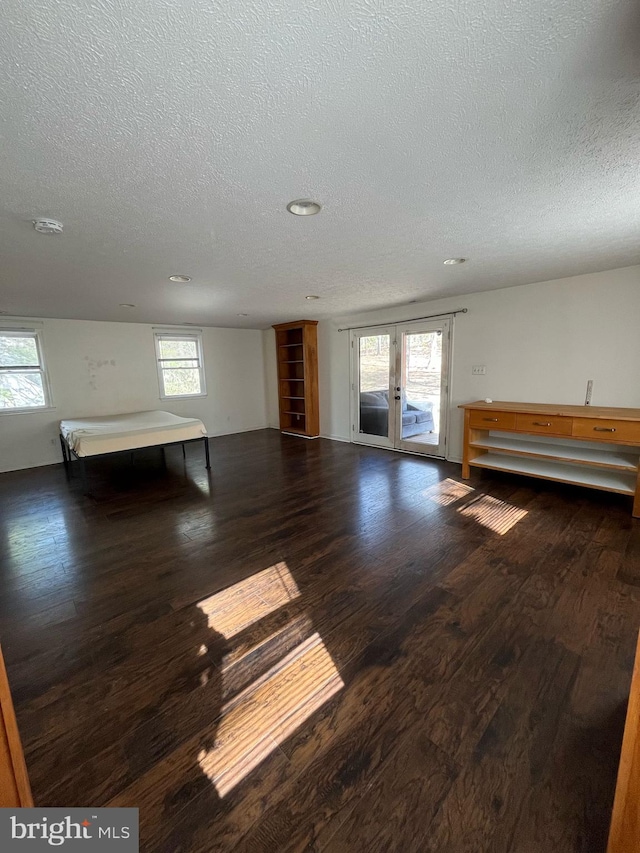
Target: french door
{"points": [[400, 386]]}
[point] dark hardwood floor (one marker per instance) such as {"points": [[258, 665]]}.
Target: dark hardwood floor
{"points": [[322, 647]]}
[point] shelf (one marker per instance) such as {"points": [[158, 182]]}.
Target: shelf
{"points": [[547, 469], [566, 453], [297, 358]]}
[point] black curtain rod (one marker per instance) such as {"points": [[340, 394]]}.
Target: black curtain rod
{"points": [[410, 320]]}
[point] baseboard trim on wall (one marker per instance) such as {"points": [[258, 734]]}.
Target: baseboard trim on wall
{"points": [[34, 465], [298, 435], [335, 438], [236, 431]]}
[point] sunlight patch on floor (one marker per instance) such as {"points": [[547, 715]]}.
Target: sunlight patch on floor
{"points": [[448, 491], [262, 716], [494, 514], [233, 609], [298, 625]]}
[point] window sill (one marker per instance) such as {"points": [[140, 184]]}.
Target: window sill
{"points": [[35, 410], [184, 397]]}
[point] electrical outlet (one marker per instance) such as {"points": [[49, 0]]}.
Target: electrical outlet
{"points": [[478, 370]]}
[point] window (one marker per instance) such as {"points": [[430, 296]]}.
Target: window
{"points": [[23, 378], [180, 364]]}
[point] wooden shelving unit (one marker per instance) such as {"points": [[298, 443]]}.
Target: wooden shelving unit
{"points": [[587, 446], [297, 354]]}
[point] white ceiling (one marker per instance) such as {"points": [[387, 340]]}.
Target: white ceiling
{"points": [[169, 137]]}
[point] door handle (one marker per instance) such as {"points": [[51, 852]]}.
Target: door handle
{"points": [[604, 429], [493, 420], [541, 423]]}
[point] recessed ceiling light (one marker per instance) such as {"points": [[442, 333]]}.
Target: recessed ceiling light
{"points": [[451, 261], [44, 225], [127, 305], [183, 279], [304, 207], [312, 297]]}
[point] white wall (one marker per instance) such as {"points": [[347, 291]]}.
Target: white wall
{"points": [[539, 342], [271, 377], [100, 368]]}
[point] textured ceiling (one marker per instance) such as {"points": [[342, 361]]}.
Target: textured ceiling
{"points": [[169, 137]]}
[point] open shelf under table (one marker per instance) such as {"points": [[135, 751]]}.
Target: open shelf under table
{"points": [[614, 458], [606, 479]]}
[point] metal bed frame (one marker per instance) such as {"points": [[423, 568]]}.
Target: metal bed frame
{"points": [[68, 452]]}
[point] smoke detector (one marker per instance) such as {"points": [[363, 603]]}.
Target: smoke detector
{"points": [[48, 226]]}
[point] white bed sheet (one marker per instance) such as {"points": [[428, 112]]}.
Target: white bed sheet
{"points": [[112, 433]]}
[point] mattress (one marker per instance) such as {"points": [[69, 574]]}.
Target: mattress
{"points": [[112, 433]]}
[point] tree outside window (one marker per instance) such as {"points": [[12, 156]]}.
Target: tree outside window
{"points": [[23, 381]]}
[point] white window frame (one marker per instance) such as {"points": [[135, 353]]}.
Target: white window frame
{"points": [[23, 332], [168, 334]]}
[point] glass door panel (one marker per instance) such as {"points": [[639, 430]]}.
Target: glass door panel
{"points": [[423, 366], [374, 367]]}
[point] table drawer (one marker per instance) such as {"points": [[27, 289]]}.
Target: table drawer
{"points": [[598, 429], [480, 419], [543, 425]]}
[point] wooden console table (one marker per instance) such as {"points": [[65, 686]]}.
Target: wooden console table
{"points": [[584, 445]]}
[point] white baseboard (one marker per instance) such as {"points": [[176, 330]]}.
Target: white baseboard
{"points": [[236, 431], [335, 438], [32, 465]]}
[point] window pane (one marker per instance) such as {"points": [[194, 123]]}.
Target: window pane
{"points": [[190, 362], [374, 384], [177, 382], [374, 362], [18, 351], [21, 390], [178, 349]]}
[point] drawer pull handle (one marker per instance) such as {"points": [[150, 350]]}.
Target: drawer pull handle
{"points": [[493, 420], [542, 423], [605, 429]]}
